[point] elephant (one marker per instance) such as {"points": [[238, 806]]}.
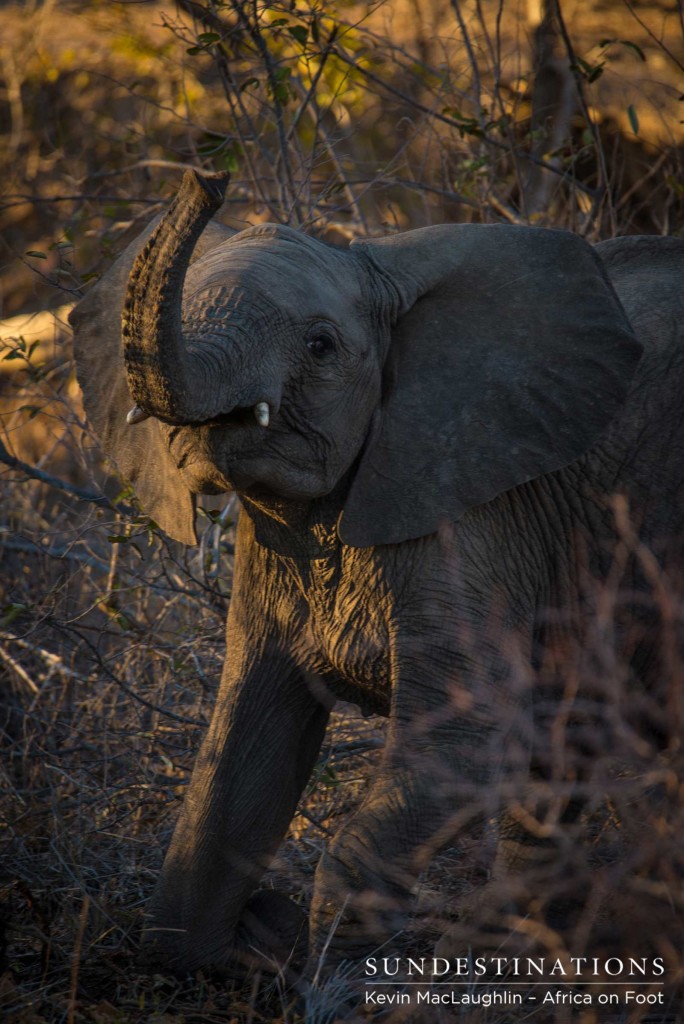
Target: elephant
{"points": [[438, 438]]}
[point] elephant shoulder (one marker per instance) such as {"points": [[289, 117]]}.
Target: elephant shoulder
{"points": [[647, 273]]}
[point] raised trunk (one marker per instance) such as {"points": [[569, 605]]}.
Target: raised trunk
{"points": [[166, 379]]}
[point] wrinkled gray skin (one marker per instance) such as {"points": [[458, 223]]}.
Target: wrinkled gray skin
{"points": [[452, 412]]}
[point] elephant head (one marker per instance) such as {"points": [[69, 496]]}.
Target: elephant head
{"points": [[441, 366]]}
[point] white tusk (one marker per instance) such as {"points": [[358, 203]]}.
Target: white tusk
{"points": [[262, 413], [136, 415]]}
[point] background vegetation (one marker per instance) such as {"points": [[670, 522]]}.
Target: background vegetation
{"points": [[342, 118]]}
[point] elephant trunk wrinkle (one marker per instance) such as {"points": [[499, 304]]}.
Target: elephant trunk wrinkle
{"points": [[161, 373]]}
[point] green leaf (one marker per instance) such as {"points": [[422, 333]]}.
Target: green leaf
{"points": [[329, 777], [624, 42], [10, 612], [117, 210], [633, 46], [152, 529], [211, 514], [299, 33], [208, 37], [228, 161], [36, 255], [127, 494], [334, 189], [192, 50], [589, 71], [13, 355], [118, 538], [633, 119], [248, 83]]}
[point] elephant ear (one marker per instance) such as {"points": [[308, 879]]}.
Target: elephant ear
{"points": [[510, 354], [139, 452]]}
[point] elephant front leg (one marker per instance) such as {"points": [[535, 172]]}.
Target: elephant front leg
{"points": [[258, 754], [453, 752]]}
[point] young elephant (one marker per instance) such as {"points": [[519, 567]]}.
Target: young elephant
{"points": [[427, 433]]}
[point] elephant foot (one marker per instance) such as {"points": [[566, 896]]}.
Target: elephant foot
{"points": [[271, 935], [348, 922]]}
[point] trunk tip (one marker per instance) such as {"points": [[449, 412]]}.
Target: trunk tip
{"points": [[209, 188]]}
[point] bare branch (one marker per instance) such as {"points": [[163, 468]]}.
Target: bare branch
{"points": [[33, 473], [598, 144], [445, 119]]}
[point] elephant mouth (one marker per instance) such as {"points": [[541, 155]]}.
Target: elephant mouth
{"points": [[240, 416]]}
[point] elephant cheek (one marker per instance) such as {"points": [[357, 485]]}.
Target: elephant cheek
{"points": [[198, 469]]}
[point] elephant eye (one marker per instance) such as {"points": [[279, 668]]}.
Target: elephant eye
{"points": [[320, 344]]}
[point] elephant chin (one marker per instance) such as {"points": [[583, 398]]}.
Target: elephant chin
{"points": [[268, 477]]}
